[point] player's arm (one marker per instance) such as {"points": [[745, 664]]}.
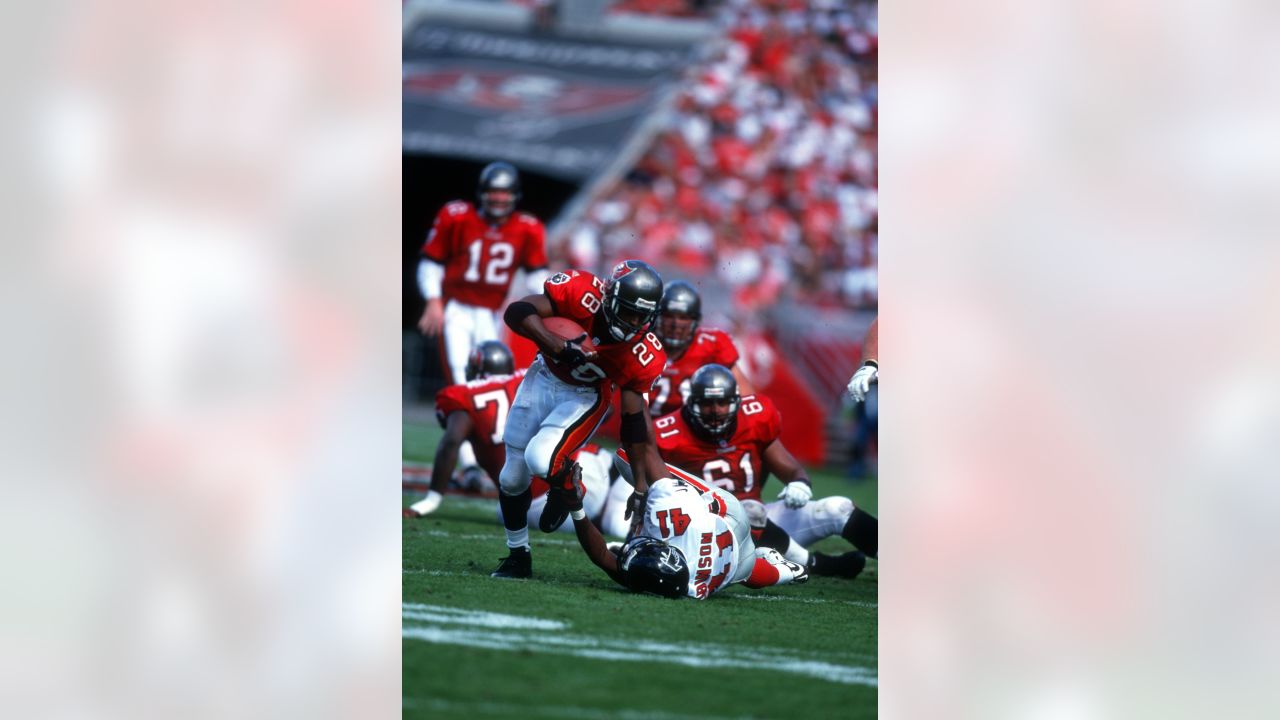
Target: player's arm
{"points": [[430, 281], [637, 436], [797, 489], [457, 427], [524, 317], [593, 543]]}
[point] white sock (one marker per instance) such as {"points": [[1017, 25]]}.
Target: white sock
{"points": [[797, 554], [427, 504], [518, 538]]}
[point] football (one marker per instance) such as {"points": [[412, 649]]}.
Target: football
{"points": [[569, 330]]}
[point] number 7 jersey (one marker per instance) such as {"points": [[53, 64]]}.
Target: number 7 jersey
{"points": [[634, 364], [487, 401]]}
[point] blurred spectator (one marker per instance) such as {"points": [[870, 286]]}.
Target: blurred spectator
{"points": [[765, 172]]}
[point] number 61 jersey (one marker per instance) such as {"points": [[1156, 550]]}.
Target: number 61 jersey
{"points": [[634, 364], [735, 462]]}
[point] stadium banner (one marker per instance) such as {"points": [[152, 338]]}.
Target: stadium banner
{"points": [[559, 106]]}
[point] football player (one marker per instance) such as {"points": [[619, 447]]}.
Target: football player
{"points": [[597, 472], [474, 411], [860, 383], [693, 540], [688, 347], [567, 390], [469, 259], [733, 442]]}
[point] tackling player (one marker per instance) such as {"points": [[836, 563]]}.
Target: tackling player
{"points": [[860, 383], [733, 441], [474, 411], [688, 347], [469, 259], [694, 540], [566, 392]]}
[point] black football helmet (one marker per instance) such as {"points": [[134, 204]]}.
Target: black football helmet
{"points": [[652, 566], [490, 357], [679, 297], [712, 383], [631, 297], [498, 176]]}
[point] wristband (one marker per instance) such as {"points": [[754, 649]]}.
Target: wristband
{"points": [[578, 514]]}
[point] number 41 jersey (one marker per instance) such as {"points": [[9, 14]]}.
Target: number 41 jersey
{"points": [[487, 401], [677, 512], [634, 364], [734, 463]]}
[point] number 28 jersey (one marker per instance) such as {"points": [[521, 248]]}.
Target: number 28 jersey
{"points": [[735, 463], [480, 258], [487, 401], [634, 364]]}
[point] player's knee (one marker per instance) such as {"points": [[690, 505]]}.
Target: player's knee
{"points": [[837, 508], [514, 478], [538, 455], [757, 515]]}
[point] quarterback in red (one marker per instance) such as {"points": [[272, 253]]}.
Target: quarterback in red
{"points": [[733, 443], [566, 392], [474, 411], [688, 347], [469, 259]]}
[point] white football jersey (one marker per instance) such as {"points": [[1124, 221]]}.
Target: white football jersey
{"points": [[678, 513]]}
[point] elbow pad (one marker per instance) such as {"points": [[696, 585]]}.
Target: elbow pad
{"points": [[517, 312], [633, 429]]}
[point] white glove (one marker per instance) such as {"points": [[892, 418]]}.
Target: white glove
{"points": [[796, 494], [861, 381]]}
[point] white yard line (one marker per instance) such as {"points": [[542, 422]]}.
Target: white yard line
{"points": [[477, 618], [786, 598], [506, 710], [497, 536]]}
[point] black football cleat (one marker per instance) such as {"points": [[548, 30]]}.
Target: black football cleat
{"points": [[848, 565], [519, 565], [554, 513]]}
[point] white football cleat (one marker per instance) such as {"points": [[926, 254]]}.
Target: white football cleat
{"points": [[428, 504]]}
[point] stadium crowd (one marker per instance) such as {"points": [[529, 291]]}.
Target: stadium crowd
{"points": [[764, 174]]}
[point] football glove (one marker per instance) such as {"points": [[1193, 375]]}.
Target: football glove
{"points": [[860, 383], [568, 487], [572, 353], [795, 494], [635, 505]]}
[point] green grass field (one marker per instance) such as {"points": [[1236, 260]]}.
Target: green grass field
{"points": [[572, 644]]}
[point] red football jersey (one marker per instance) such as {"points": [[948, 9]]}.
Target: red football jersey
{"points": [[708, 346], [487, 401], [634, 364], [734, 463], [480, 258]]}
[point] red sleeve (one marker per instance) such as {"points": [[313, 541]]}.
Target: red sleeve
{"points": [[450, 399], [726, 353], [768, 421], [535, 251], [640, 378], [574, 295], [437, 246]]}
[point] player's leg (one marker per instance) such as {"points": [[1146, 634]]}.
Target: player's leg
{"points": [[571, 424], [757, 566], [514, 496], [827, 517]]}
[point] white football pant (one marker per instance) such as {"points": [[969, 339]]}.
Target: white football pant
{"points": [[465, 326], [817, 519]]}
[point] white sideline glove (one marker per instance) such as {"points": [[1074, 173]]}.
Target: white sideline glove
{"points": [[861, 381], [796, 494]]}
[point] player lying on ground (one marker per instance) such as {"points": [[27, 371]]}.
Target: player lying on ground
{"points": [[688, 346], [734, 443], [566, 392], [475, 412], [693, 540]]}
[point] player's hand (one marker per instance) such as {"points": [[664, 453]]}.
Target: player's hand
{"points": [[796, 494], [635, 506], [568, 487], [860, 383], [573, 355], [432, 319]]}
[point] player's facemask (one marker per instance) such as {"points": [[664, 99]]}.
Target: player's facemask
{"points": [[498, 204], [676, 329], [715, 416]]}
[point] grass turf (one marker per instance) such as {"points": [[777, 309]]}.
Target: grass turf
{"points": [[792, 651]]}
